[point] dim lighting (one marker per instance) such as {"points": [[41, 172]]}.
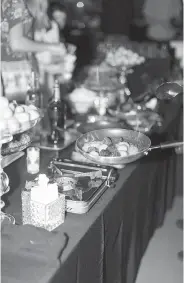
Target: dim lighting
{"points": [[80, 5]]}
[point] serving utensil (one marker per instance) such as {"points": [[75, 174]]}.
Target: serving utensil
{"points": [[77, 174], [140, 140], [168, 90]]}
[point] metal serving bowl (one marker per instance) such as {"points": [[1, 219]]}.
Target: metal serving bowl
{"points": [[141, 141]]}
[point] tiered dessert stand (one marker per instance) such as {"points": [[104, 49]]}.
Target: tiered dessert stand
{"points": [[4, 186]]}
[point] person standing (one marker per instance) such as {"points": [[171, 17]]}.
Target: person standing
{"points": [[18, 47], [159, 15]]}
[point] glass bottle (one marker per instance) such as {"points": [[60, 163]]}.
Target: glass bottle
{"points": [[56, 113], [34, 96]]}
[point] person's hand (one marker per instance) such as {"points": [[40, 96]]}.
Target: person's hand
{"points": [[69, 63], [58, 49], [71, 49]]}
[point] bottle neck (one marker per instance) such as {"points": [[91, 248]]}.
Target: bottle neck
{"points": [[34, 84], [56, 95]]}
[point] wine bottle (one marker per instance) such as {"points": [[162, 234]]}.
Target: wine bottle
{"points": [[56, 114]]}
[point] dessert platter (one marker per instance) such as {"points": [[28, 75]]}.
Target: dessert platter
{"points": [[145, 49], [120, 55], [16, 119]]}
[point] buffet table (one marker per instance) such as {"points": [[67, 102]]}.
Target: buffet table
{"points": [[107, 243]]}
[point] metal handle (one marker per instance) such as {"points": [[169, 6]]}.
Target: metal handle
{"points": [[167, 145]]}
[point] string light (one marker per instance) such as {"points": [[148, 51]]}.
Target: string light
{"points": [[80, 5]]}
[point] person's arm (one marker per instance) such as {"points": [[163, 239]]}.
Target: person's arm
{"points": [[20, 43]]}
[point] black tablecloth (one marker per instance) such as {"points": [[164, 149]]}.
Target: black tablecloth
{"points": [[106, 244]]}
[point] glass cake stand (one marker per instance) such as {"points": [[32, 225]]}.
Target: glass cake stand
{"points": [[4, 188], [4, 185]]}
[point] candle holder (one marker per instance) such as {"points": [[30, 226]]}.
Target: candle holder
{"points": [[48, 216]]}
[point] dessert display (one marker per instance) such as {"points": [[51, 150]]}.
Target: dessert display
{"points": [[145, 49], [122, 56], [100, 80], [19, 143], [103, 77], [4, 184], [81, 100], [16, 118]]}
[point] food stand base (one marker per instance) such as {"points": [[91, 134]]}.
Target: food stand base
{"points": [[7, 219], [69, 138]]}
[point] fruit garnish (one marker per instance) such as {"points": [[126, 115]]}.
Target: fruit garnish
{"points": [[107, 141], [105, 152]]}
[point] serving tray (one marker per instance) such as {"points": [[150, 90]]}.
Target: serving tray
{"points": [[87, 190]]}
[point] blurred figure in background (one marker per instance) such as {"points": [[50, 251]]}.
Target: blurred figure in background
{"points": [[159, 15], [52, 66], [18, 19], [58, 13], [73, 32]]}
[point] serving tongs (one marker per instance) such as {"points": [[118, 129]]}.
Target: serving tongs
{"points": [[80, 164], [106, 172], [76, 174], [169, 90]]}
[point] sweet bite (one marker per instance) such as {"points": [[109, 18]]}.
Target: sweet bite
{"points": [[14, 117]]}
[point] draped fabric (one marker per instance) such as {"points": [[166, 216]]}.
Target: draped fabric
{"points": [[117, 16], [106, 244]]}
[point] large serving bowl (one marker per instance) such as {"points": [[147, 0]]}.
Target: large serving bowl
{"points": [[141, 141]]}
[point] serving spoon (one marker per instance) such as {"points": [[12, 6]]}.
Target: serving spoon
{"points": [[168, 90]]}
